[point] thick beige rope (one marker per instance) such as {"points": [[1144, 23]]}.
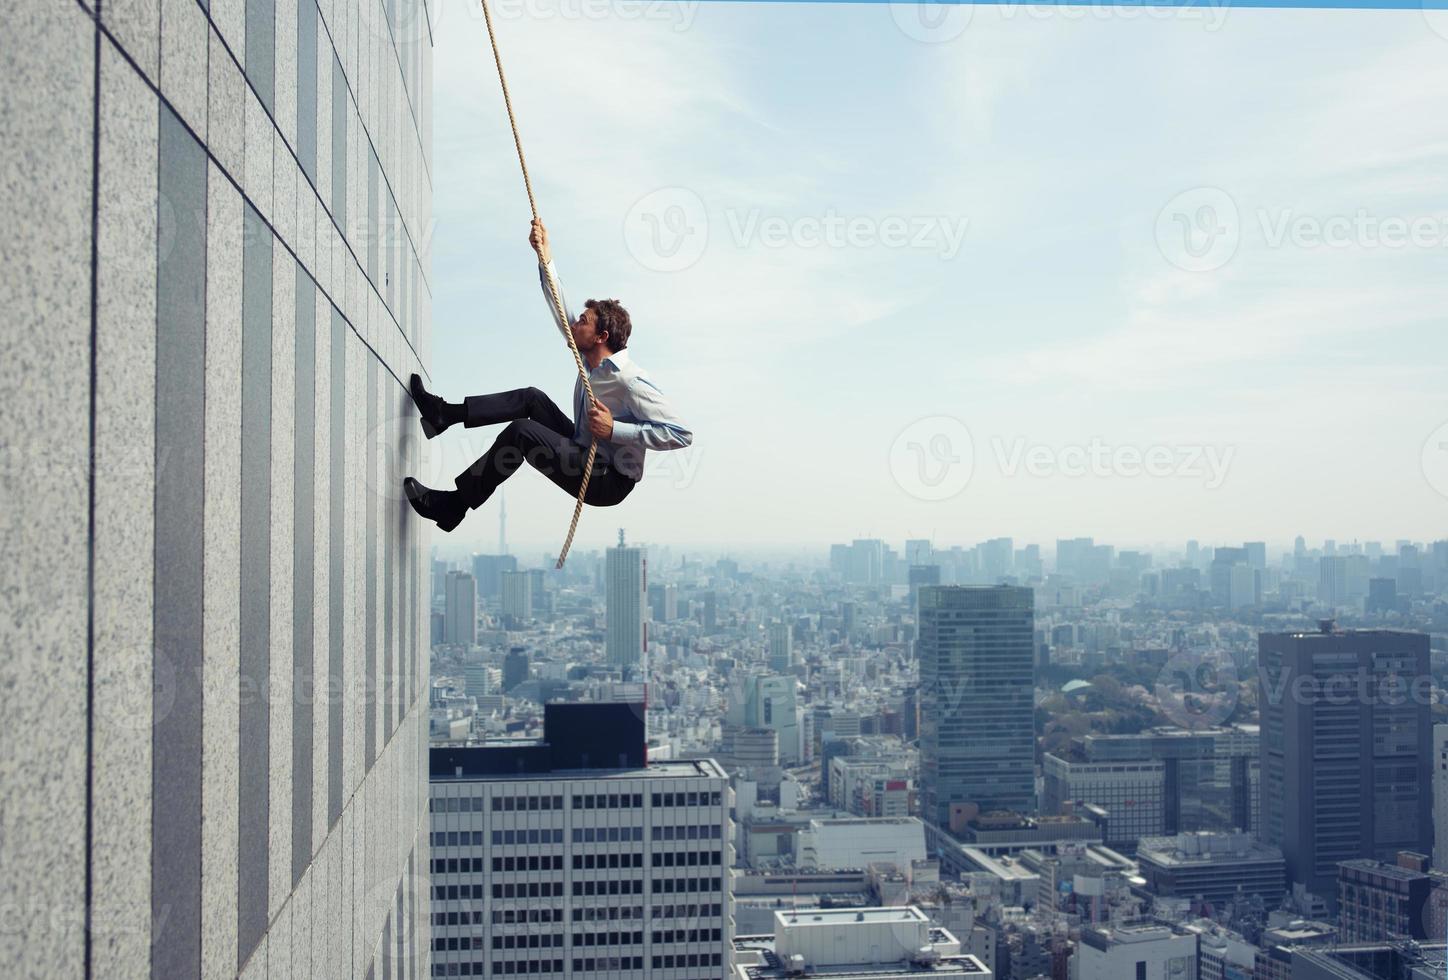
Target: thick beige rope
{"points": [[552, 287]]}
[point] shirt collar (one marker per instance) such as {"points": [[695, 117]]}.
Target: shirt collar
{"points": [[617, 360]]}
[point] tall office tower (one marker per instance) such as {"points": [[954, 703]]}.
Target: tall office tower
{"points": [[1256, 554], [460, 619], [711, 610], [1346, 769], [199, 407], [573, 856], [866, 561], [439, 578], [920, 576], [625, 584], [538, 584], [1440, 797], [663, 602], [517, 596], [918, 551], [997, 558], [1224, 560], [488, 570], [515, 668], [976, 699], [781, 648], [502, 522]]}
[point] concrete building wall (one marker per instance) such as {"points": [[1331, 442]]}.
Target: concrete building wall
{"points": [[213, 603]]}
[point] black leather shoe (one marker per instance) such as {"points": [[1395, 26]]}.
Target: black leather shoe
{"points": [[446, 507], [429, 405]]}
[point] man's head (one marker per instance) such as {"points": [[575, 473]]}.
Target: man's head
{"points": [[603, 321]]}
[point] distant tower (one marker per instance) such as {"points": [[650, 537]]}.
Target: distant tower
{"points": [[625, 588]]}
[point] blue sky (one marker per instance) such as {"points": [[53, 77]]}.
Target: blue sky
{"points": [[1039, 272]]}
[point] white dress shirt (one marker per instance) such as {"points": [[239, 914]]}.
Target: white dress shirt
{"points": [[642, 417]]}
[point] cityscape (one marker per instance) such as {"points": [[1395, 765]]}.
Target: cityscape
{"points": [[1002, 760], [294, 688]]}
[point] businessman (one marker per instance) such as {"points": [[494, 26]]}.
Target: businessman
{"points": [[627, 417]]}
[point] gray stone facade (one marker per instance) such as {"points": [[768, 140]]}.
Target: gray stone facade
{"points": [[213, 604]]}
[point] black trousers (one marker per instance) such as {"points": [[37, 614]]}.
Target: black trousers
{"points": [[539, 434]]}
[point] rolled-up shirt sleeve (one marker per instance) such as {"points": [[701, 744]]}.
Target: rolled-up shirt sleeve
{"points": [[655, 425], [543, 271]]}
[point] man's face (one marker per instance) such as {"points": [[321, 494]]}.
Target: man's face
{"points": [[585, 330]]}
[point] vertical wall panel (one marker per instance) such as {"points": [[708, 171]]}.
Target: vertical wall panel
{"points": [[340, 111], [304, 693], [371, 484], [179, 500], [254, 745], [222, 538], [125, 450], [322, 572], [279, 691], [307, 87], [337, 580], [47, 57], [261, 27]]}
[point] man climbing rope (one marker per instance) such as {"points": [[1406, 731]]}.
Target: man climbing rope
{"points": [[628, 416]]}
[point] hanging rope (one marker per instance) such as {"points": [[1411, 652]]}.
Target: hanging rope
{"points": [[552, 287]]}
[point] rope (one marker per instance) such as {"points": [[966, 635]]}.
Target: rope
{"points": [[552, 286]]}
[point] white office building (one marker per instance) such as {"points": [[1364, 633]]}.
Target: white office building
{"points": [[1135, 952], [573, 856], [891, 943], [855, 842]]}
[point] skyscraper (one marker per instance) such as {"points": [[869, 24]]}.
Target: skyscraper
{"points": [[625, 586], [1346, 749], [977, 688], [517, 595], [202, 572], [460, 620], [781, 648]]}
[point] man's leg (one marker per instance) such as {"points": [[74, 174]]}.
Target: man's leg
{"points": [[515, 405], [552, 453]]}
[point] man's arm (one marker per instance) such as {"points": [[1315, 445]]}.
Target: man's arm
{"points": [[538, 238], [657, 427]]}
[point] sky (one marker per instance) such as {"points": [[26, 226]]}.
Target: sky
{"points": [[958, 273]]}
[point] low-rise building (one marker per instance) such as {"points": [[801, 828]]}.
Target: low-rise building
{"points": [[1213, 868], [891, 943]]}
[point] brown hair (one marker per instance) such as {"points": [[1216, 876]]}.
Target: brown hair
{"points": [[612, 318]]}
